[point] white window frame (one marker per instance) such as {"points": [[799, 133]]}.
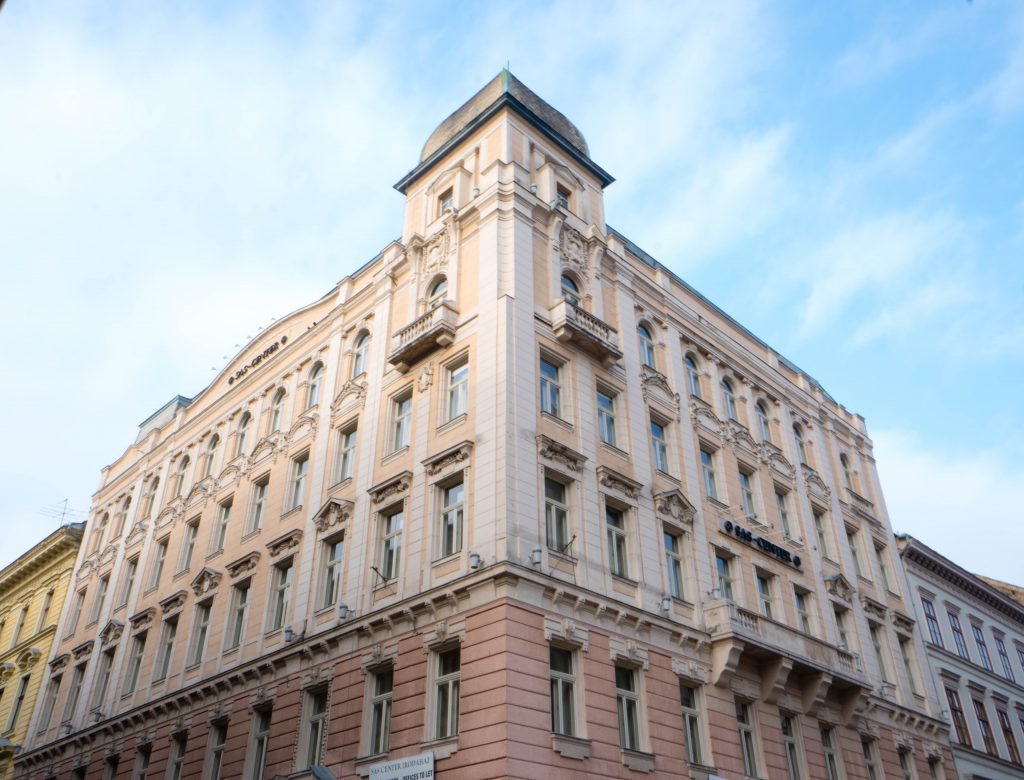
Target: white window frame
{"points": [[283, 575], [690, 704], [131, 571], [748, 492], [617, 527], [241, 595], [188, 546], [707, 465], [360, 353], [50, 702], [556, 515], [869, 749], [74, 693], [647, 353], [791, 745], [211, 453], [381, 695], [675, 568], [606, 416], [262, 722], [220, 530], [563, 693], [277, 411], [242, 433], [332, 555], [627, 707], [446, 693], [200, 633], [451, 517], [217, 740], [165, 650], [659, 444], [346, 460], [257, 505], [314, 383], [456, 390], [724, 575], [101, 684], [18, 703], [782, 504], [693, 376], [133, 668], [392, 528], [831, 751], [300, 470], [746, 724], [76, 611], [176, 760], [804, 611], [729, 397], [763, 421], [766, 586], [551, 386], [314, 725], [400, 428]]}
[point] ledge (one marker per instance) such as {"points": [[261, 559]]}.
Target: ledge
{"points": [[441, 748], [570, 747], [638, 761]]}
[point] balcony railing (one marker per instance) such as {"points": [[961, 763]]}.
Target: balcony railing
{"points": [[574, 324], [434, 330]]}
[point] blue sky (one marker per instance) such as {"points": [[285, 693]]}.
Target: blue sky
{"points": [[844, 179]]}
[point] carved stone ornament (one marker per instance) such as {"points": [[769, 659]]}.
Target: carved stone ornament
{"points": [[435, 253], [738, 436], [453, 456], [815, 484], [840, 587], [613, 480], [141, 621], [903, 740], [770, 455], [690, 670], [702, 414], [673, 504], [244, 565], [351, 388], [628, 651], [286, 543], [206, 581], [83, 650], [169, 513], [6, 671], [655, 386], [136, 535], [567, 632], [108, 553], [111, 633], [174, 602], [560, 453], [335, 512], [872, 607], [932, 751], [426, 378], [59, 664], [391, 489], [307, 422], [901, 622], [378, 655], [572, 248]]}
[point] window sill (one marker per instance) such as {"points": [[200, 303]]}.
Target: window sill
{"points": [[666, 476], [715, 502], [558, 554], [638, 761], [441, 748], [447, 558], [570, 747], [455, 422], [250, 534], [614, 450], [339, 484], [293, 511], [228, 651], [625, 580], [363, 763], [395, 454], [215, 554], [557, 420]]}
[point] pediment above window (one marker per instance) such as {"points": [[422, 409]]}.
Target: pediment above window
{"points": [[335, 512], [673, 504], [206, 581], [174, 602], [244, 565]]}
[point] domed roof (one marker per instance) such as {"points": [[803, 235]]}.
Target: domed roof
{"points": [[504, 83]]}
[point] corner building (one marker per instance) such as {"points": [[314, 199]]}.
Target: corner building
{"points": [[511, 497]]}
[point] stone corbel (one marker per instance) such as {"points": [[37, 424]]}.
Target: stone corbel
{"points": [[725, 658], [815, 689], [774, 676], [628, 651], [566, 632]]}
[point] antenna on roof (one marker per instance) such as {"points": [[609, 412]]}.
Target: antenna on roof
{"points": [[63, 513]]}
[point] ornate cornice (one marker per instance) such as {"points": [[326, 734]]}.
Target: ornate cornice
{"points": [[560, 453], [391, 488]]}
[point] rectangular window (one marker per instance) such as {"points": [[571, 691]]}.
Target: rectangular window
{"points": [[877, 643], [707, 466], [300, 468], [401, 422], [102, 683], [141, 770], [1004, 659], [166, 649], [19, 625], [131, 568], [346, 455], [382, 687], [218, 737], [458, 391], [556, 511], [765, 594], [790, 747], [906, 764], [280, 595], [135, 655], [933, 622], [882, 557], [781, 503], [801, 599], [444, 202], [550, 388], [19, 701], [239, 610], [851, 538], [674, 564], [260, 740], [829, 748], [188, 545], [627, 700], [958, 635], [97, 604], [159, 557], [745, 724], [617, 552], [563, 685], [688, 697], [450, 521], [177, 759], [562, 196], [906, 653], [606, 417], [220, 530], [331, 554], [76, 612], [446, 693], [110, 766], [956, 711], [391, 545], [723, 566], [73, 693], [258, 506], [316, 725], [844, 636], [50, 702], [867, 746], [979, 641], [44, 611], [659, 446], [985, 727], [200, 629], [1008, 736], [819, 530], [747, 495]]}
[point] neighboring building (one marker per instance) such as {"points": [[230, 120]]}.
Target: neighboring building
{"points": [[512, 498], [974, 637], [32, 590]]}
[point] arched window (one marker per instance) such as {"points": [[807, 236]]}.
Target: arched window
{"points": [[646, 346], [570, 290], [211, 453], [316, 377], [847, 474], [359, 355], [243, 433], [277, 410], [762, 421], [693, 376], [730, 399], [438, 293], [101, 527], [150, 499], [122, 513], [801, 449], [179, 478]]}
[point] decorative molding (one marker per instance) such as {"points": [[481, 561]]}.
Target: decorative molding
{"points": [[284, 544], [83, 650], [840, 587], [872, 607], [174, 602], [690, 670], [815, 484], [244, 565], [206, 581], [335, 512], [901, 622], [351, 387], [613, 480], [391, 488], [6, 671], [426, 377], [772, 457], [445, 459], [567, 632], [29, 657], [673, 504], [142, 621], [572, 249], [628, 651], [59, 664], [560, 453], [654, 386], [111, 633]]}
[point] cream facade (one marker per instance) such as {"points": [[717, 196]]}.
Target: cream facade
{"points": [[974, 637], [32, 590], [512, 497]]}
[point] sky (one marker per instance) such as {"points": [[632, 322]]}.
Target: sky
{"points": [[845, 179]]}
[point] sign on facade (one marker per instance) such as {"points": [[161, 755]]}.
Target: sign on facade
{"points": [[419, 767]]}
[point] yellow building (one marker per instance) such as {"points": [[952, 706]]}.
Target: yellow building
{"points": [[32, 590]]}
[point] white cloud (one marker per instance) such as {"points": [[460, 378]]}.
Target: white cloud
{"points": [[960, 503], [1006, 90], [910, 310]]}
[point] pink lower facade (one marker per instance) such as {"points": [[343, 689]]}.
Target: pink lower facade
{"points": [[504, 714]]}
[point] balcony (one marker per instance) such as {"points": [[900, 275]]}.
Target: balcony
{"points": [[434, 330], [575, 325]]}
